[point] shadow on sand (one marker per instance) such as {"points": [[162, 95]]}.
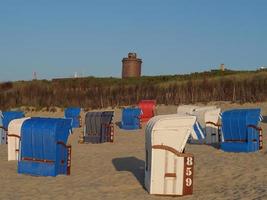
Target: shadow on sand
{"points": [[264, 120], [118, 124], [133, 165]]}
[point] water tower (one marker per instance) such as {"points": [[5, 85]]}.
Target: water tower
{"points": [[131, 66]]}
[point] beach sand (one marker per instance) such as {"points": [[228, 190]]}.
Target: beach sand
{"points": [[116, 170]]}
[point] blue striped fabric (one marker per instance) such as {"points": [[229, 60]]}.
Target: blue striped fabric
{"points": [[10, 115], [236, 131], [74, 114], [39, 141], [131, 118]]}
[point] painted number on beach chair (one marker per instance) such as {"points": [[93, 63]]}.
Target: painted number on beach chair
{"points": [[189, 161], [188, 175]]}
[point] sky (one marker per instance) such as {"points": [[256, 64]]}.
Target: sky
{"points": [[56, 38]]}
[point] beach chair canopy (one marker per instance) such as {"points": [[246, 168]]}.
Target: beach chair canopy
{"points": [[44, 150], [98, 127], [240, 130], [10, 115], [171, 130], [165, 140], [206, 114], [130, 118], [148, 108], [14, 133], [74, 114], [2, 130]]}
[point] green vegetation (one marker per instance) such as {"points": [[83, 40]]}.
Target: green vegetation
{"points": [[91, 92]]}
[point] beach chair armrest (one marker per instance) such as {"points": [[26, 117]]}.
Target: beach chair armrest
{"points": [[172, 150], [259, 129], [63, 144], [214, 124], [13, 135], [1, 127], [259, 138]]}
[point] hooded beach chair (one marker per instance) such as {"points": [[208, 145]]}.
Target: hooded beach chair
{"points": [[14, 132], [241, 131], [148, 108], [98, 127], [2, 130], [130, 119], [207, 117], [74, 114], [7, 117], [168, 170], [43, 147]]}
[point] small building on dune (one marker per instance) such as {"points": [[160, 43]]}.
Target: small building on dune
{"points": [[98, 127], [148, 108], [75, 115], [241, 131], [131, 66], [168, 170], [44, 150], [130, 119]]}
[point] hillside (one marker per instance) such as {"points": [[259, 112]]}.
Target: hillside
{"points": [[91, 92]]}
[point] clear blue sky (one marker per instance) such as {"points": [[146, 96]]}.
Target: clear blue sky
{"points": [[57, 38]]}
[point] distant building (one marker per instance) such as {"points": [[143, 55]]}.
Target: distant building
{"points": [[263, 68], [222, 67], [131, 66], [34, 76]]}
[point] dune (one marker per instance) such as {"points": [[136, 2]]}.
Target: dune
{"points": [[116, 170]]}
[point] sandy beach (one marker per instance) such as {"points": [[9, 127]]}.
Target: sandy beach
{"points": [[116, 170]]}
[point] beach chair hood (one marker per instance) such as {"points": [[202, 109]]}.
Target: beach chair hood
{"points": [[131, 118], [74, 114], [148, 108], [10, 115]]}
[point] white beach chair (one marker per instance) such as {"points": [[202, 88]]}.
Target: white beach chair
{"points": [[14, 132], [207, 117], [169, 171]]}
